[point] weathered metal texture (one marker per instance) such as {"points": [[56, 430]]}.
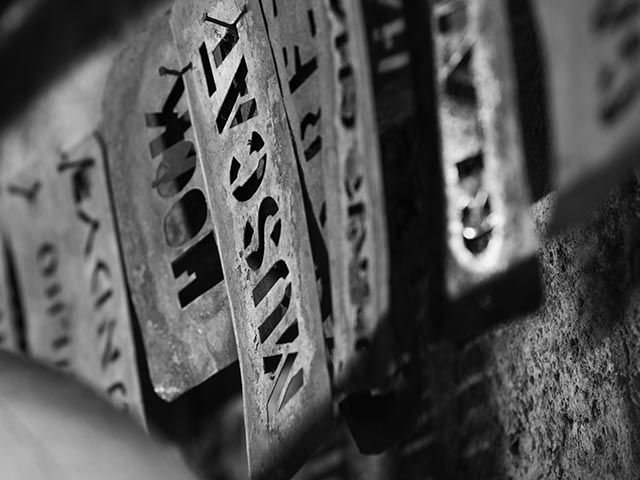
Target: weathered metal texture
{"points": [[450, 14], [593, 73], [339, 459], [8, 334], [254, 189], [356, 228], [106, 334], [58, 216], [555, 394], [297, 33], [492, 270], [395, 76], [36, 212], [165, 223]]}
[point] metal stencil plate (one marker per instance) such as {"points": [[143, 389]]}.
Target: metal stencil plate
{"points": [[254, 189], [8, 333], [164, 218], [385, 46], [356, 228], [58, 215], [297, 32]]}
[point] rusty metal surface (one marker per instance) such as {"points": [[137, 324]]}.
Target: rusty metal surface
{"points": [[491, 270], [356, 228], [593, 72], [164, 220], [57, 215], [254, 188]]}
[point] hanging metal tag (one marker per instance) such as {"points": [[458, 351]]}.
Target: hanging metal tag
{"points": [[35, 216], [592, 70], [492, 270], [254, 188], [164, 219], [58, 215], [297, 33], [356, 228]]}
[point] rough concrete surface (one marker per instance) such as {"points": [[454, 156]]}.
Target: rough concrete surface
{"points": [[553, 395]]}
